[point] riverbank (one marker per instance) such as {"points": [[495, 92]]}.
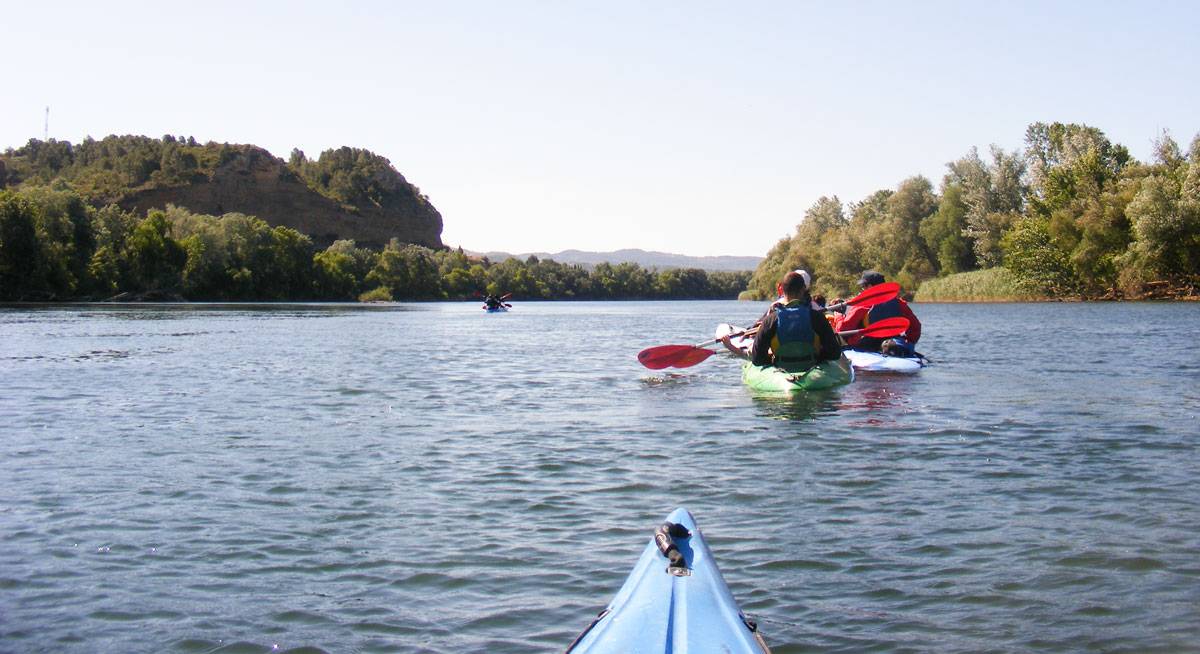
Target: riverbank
{"points": [[990, 285], [1000, 285]]}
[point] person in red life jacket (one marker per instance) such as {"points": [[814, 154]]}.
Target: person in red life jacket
{"points": [[792, 335], [859, 317]]}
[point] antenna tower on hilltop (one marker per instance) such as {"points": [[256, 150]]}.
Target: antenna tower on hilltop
{"points": [[46, 134]]}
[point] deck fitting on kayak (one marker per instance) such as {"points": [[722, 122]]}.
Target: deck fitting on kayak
{"points": [[689, 609], [664, 538]]}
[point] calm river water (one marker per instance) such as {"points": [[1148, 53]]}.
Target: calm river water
{"points": [[431, 478]]}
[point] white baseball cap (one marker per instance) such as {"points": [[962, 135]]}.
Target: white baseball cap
{"points": [[806, 276]]}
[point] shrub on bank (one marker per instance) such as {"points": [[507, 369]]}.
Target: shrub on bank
{"points": [[988, 285]]}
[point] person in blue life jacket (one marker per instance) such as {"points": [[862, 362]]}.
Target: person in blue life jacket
{"points": [[792, 335]]}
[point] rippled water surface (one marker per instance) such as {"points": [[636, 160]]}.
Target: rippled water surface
{"points": [[431, 478]]}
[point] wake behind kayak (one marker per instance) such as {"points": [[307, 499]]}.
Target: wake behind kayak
{"points": [[675, 600]]}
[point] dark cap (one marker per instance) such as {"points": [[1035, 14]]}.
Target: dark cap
{"points": [[870, 278]]}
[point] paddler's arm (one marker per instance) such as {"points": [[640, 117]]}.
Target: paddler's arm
{"points": [[852, 320], [760, 353], [831, 346], [729, 346], [913, 334]]}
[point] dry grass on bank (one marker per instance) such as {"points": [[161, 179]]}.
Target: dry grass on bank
{"points": [[990, 285]]}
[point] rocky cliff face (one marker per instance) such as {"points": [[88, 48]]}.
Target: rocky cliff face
{"points": [[253, 182]]}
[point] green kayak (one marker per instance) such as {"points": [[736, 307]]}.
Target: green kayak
{"points": [[825, 375]]}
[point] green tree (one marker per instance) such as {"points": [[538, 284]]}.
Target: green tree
{"points": [[109, 269], [690, 283], [823, 221], [20, 252], [341, 270], [1037, 263], [289, 272], [905, 254], [994, 194], [944, 231], [47, 241], [461, 279], [356, 178], [1067, 160], [407, 271], [1166, 223], [156, 259]]}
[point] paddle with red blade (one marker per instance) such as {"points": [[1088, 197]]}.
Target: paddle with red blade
{"points": [[877, 294], [679, 356], [685, 356], [886, 328]]}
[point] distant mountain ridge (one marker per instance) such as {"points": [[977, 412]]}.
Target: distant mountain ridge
{"points": [[643, 258]]}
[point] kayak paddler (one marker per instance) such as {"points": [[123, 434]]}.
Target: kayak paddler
{"points": [[792, 335], [859, 317]]}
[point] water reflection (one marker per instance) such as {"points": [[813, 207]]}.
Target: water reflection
{"points": [[796, 406], [878, 399], [874, 399]]}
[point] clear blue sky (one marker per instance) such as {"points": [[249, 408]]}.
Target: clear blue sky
{"points": [[693, 127]]}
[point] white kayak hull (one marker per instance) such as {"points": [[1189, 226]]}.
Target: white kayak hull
{"points": [[876, 362]]}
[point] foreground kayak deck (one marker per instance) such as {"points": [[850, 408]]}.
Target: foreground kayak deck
{"points": [[876, 362], [667, 606]]}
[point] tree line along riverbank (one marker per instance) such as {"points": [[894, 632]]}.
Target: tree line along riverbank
{"points": [[55, 246], [1071, 216]]}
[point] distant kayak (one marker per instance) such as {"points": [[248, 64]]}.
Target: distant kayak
{"points": [[876, 362], [675, 600], [495, 309]]}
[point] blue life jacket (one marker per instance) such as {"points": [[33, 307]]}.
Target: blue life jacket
{"points": [[889, 309], [794, 344]]}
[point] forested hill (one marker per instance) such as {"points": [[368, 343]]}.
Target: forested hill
{"points": [[345, 194], [1073, 215]]}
